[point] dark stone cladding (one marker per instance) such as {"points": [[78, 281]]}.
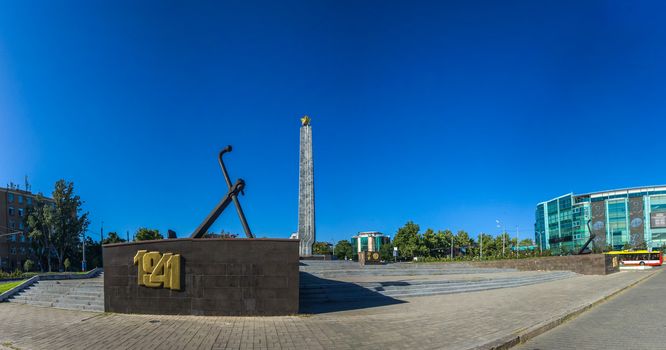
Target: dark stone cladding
{"points": [[588, 264], [234, 277]]}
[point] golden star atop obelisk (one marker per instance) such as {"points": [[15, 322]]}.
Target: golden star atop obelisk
{"points": [[305, 120]]}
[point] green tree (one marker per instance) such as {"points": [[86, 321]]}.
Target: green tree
{"points": [[321, 248], [28, 265], [386, 252], [429, 243], [67, 264], [462, 240], [343, 249], [444, 240], [112, 237], [488, 247], [40, 222], [69, 222], [146, 234], [526, 242], [503, 244], [407, 240]]}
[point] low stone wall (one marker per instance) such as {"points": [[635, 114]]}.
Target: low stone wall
{"points": [[589, 264], [217, 277]]}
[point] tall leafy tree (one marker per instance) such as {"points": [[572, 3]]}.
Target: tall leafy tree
{"points": [[69, 220], [40, 222], [407, 240], [343, 249], [146, 234], [386, 252], [463, 241], [445, 240], [430, 243], [112, 237], [321, 248]]}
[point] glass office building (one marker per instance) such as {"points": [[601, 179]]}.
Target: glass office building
{"points": [[614, 216], [371, 241]]}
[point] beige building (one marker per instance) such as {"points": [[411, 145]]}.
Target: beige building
{"points": [[14, 243]]}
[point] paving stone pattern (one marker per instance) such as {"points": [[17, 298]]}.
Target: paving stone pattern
{"points": [[453, 321], [634, 319]]}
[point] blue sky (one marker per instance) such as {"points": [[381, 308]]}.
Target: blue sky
{"points": [[450, 114]]}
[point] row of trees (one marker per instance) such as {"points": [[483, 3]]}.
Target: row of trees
{"points": [[56, 228], [438, 244], [411, 243]]}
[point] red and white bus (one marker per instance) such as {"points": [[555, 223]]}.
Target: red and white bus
{"points": [[639, 257]]}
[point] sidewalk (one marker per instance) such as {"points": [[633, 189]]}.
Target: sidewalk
{"points": [[454, 321]]}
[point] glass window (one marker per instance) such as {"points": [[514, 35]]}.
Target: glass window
{"points": [[364, 244], [20, 199], [28, 200], [13, 251], [20, 212], [11, 211], [10, 197], [21, 226], [12, 224]]}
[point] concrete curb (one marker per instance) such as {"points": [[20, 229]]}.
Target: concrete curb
{"points": [[524, 335], [68, 276], [8, 294]]}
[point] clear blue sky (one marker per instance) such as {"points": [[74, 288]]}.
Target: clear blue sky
{"points": [[450, 114]]}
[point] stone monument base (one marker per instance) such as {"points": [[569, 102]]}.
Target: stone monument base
{"points": [[208, 277]]}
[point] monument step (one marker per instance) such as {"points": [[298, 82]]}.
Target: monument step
{"points": [[356, 291], [399, 285]]}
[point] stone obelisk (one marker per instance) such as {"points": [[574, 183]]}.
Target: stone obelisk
{"points": [[306, 203]]}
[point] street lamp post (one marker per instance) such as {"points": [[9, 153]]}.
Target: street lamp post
{"points": [[451, 245], [517, 242], [499, 225], [83, 261]]}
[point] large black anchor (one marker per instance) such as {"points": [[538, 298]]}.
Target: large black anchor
{"points": [[232, 195]]}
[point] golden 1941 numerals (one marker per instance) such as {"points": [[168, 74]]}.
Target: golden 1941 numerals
{"points": [[158, 270]]}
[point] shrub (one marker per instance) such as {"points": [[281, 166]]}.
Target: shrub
{"points": [[28, 265]]}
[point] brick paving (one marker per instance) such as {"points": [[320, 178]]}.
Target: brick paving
{"points": [[453, 321], [634, 319]]}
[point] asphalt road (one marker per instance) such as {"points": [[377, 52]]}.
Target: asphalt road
{"points": [[634, 319]]}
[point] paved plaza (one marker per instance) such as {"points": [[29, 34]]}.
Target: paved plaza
{"points": [[632, 320], [450, 321]]}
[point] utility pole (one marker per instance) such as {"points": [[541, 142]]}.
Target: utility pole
{"points": [[503, 235], [517, 242], [451, 245], [481, 246], [101, 231], [83, 262], [128, 235]]}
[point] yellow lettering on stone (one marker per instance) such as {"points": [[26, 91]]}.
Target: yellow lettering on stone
{"points": [[150, 261], [159, 272], [156, 270], [173, 268], [138, 260]]}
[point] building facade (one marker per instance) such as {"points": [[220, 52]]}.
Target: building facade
{"points": [[371, 241], [15, 246], [618, 218]]}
